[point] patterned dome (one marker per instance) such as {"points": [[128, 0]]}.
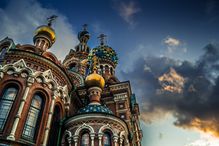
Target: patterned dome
{"points": [[95, 108], [104, 52]]}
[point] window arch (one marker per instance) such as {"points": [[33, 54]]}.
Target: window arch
{"points": [[85, 139], [73, 66], [106, 69], [33, 117], [106, 139], [3, 51], [6, 102]]}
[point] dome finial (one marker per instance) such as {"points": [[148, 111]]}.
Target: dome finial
{"points": [[51, 19], [102, 38], [85, 27]]}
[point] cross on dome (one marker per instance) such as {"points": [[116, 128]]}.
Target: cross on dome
{"points": [[51, 19], [102, 38]]}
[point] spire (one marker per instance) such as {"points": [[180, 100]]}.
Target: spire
{"points": [[83, 37], [102, 39], [85, 27]]}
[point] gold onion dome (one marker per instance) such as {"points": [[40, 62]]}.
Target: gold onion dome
{"points": [[94, 80], [46, 31]]}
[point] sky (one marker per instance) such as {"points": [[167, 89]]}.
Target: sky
{"points": [[168, 49]]}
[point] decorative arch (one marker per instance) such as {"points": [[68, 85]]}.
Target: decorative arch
{"points": [[84, 127], [123, 138], [67, 134], [7, 42], [106, 127]]}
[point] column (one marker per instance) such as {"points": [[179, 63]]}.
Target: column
{"points": [[18, 115], [100, 135], [49, 121], [121, 141], [115, 140], [76, 140], [92, 135], [69, 141]]}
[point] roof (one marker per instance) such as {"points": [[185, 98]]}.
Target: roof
{"points": [[95, 108]]}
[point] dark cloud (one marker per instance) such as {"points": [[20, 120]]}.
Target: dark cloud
{"points": [[190, 91]]}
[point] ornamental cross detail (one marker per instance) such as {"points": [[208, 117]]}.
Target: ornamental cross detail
{"points": [[51, 19], [102, 38]]}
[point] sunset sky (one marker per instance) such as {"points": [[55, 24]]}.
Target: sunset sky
{"points": [[168, 49]]}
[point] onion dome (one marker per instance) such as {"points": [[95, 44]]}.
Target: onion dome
{"points": [[46, 32], [94, 80], [104, 53], [82, 48], [83, 36], [95, 108], [45, 35]]}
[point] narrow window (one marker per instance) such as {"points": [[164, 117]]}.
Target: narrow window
{"points": [[3, 52], [106, 139], [73, 67], [33, 118], [6, 102], [85, 139]]}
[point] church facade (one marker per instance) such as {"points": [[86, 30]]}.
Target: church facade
{"points": [[77, 102]]}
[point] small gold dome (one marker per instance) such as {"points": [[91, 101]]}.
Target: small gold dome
{"points": [[95, 80], [47, 30]]}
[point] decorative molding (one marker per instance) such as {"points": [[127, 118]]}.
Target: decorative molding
{"points": [[8, 40], [97, 119], [121, 96], [69, 136], [82, 127], [32, 76], [106, 127]]}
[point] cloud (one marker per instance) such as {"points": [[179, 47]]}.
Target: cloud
{"points": [[127, 11], [170, 41], [174, 44], [20, 18], [205, 140], [187, 90]]}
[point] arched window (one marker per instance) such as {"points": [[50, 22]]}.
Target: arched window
{"points": [[101, 69], [111, 70], [106, 139], [73, 67], [33, 117], [6, 102], [106, 69], [42, 43], [85, 139], [2, 52]]}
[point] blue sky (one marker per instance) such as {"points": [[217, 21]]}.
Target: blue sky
{"points": [[150, 37]]}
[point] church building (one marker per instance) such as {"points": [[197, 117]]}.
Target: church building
{"points": [[77, 102]]}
